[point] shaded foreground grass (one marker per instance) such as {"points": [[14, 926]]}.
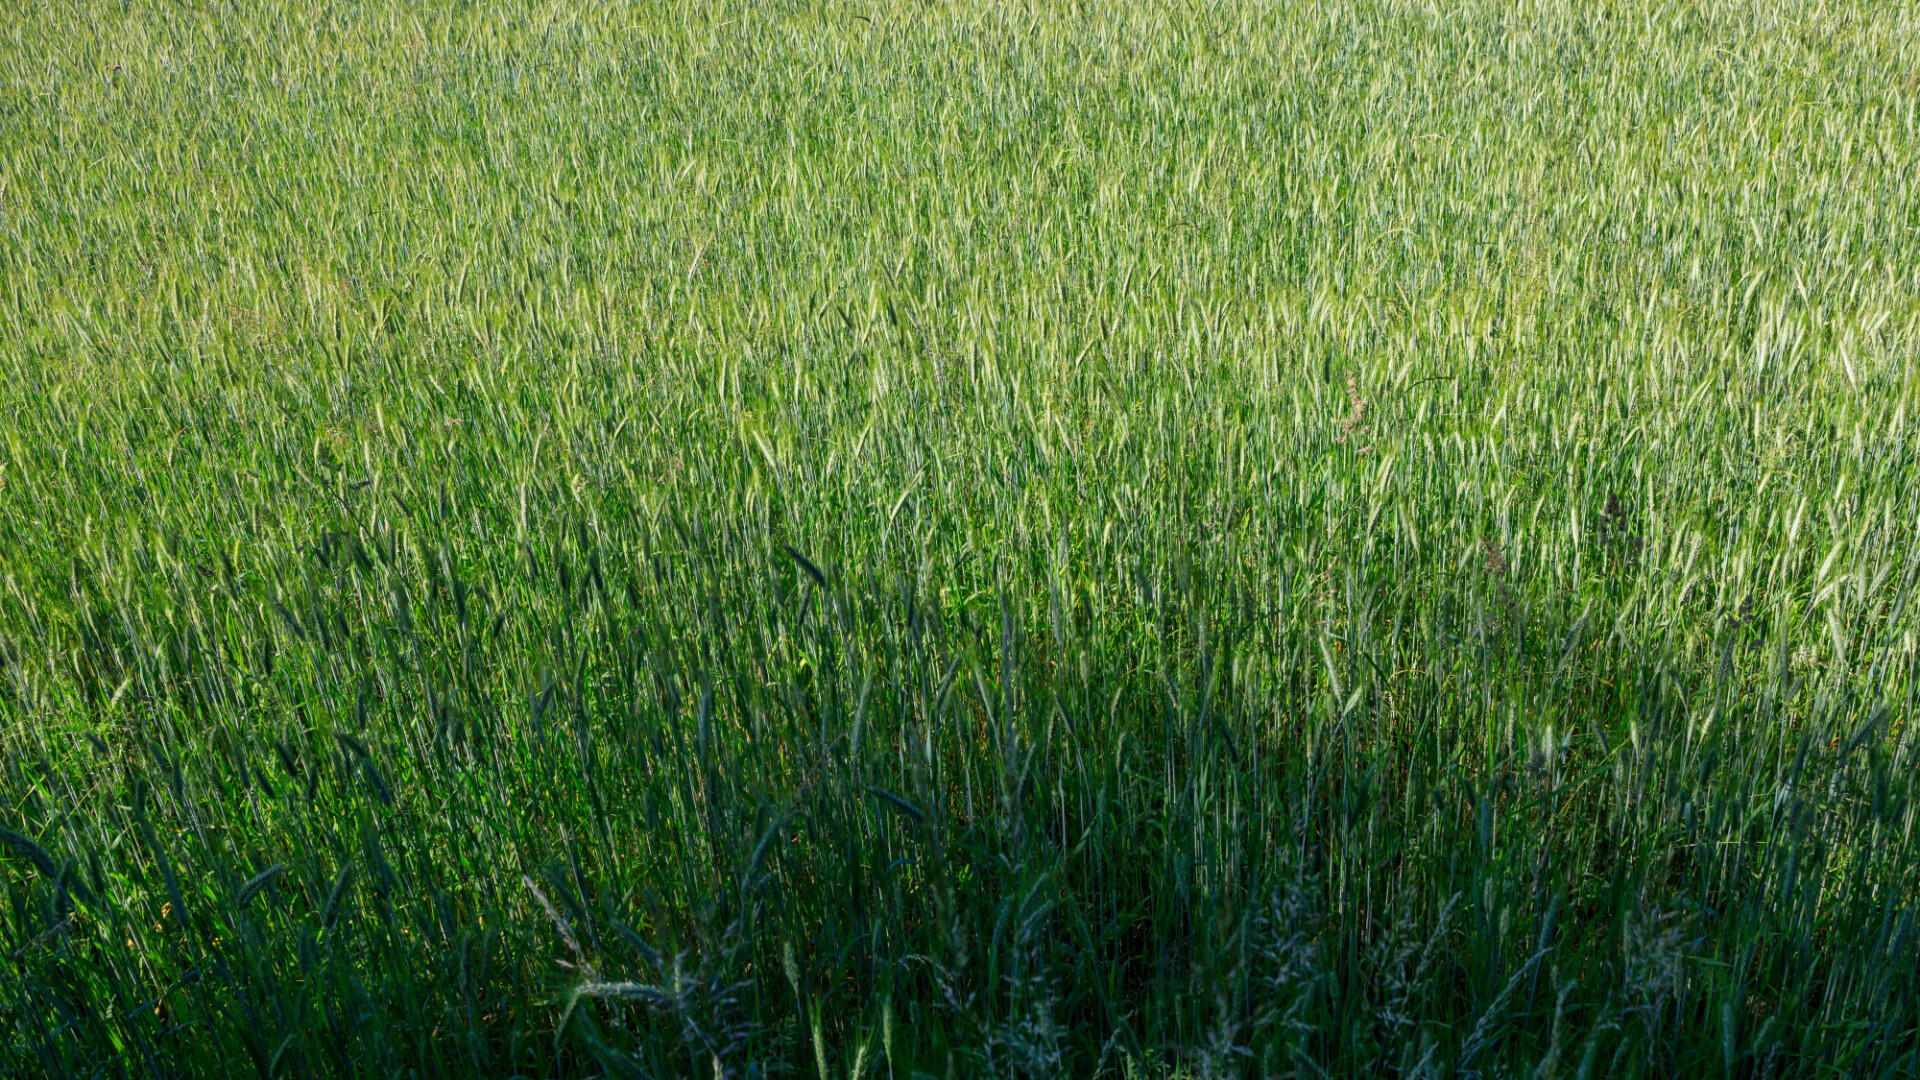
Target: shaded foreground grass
{"points": [[644, 540]]}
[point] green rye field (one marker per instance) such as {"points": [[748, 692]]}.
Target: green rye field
{"points": [[917, 538]]}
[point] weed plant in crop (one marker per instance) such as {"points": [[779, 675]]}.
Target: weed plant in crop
{"points": [[1189, 539]]}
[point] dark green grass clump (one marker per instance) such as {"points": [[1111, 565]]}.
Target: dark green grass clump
{"points": [[958, 540]]}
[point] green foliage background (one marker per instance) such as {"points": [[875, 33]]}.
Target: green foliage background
{"points": [[977, 538]]}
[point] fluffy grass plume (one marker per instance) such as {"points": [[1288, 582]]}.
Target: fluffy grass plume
{"points": [[1185, 539]]}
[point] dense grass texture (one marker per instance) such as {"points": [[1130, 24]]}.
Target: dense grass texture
{"points": [[894, 538]]}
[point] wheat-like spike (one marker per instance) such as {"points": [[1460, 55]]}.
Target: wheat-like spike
{"points": [[637, 943], [29, 850], [625, 991], [898, 803], [749, 877], [256, 883], [281, 1059], [374, 780], [341, 881], [560, 922], [807, 565], [1482, 1030]]}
